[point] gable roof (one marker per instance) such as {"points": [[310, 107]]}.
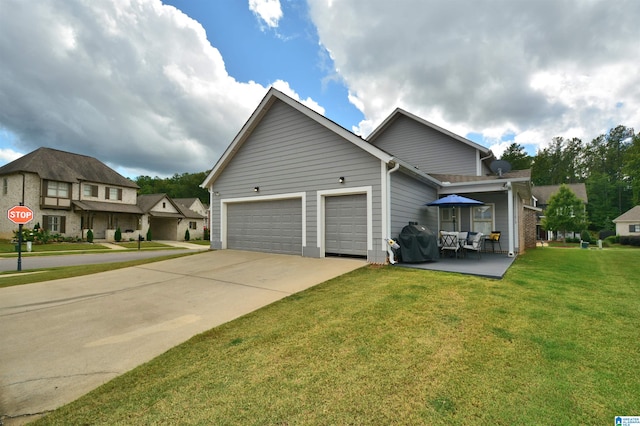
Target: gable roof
{"points": [[544, 192], [53, 164], [272, 96], [632, 215], [147, 201], [399, 112]]}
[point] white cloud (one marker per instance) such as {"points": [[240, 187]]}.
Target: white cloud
{"points": [[131, 82], [534, 69], [284, 87], [268, 10]]}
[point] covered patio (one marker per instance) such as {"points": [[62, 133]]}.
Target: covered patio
{"points": [[490, 265]]}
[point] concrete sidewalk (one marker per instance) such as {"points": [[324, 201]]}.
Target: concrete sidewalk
{"points": [[60, 339]]}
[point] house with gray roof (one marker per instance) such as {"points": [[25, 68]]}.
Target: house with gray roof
{"points": [[72, 193], [628, 223], [541, 195], [293, 181]]}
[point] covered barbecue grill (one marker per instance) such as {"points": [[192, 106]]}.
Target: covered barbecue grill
{"points": [[418, 244]]}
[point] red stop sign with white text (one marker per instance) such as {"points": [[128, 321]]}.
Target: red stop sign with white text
{"points": [[20, 214]]}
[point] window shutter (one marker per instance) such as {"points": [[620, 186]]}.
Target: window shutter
{"points": [[94, 190], [62, 223], [45, 222], [120, 194], [106, 192]]}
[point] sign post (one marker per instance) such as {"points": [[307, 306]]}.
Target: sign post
{"points": [[20, 215]]}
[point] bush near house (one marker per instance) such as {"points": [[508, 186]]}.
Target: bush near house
{"points": [[118, 235], [187, 236], [149, 235], [630, 240], [89, 236]]}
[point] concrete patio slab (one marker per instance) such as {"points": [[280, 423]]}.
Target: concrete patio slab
{"points": [[490, 265]]}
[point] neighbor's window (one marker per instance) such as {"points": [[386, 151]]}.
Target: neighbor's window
{"points": [[634, 228], [111, 193], [58, 189], [90, 190], [54, 223], [193, 225], [483, 219]]}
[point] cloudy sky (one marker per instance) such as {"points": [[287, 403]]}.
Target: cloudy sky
{"points": [[155, 87]]}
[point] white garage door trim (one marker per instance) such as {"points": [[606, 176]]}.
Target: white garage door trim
{"points": [[321, 195], [225, 202]]}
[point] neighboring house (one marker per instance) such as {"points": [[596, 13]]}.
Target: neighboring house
{"points": [[628, 223], [169, 219], [72, 193], [293, 181], [541, 195], [194, 204]]}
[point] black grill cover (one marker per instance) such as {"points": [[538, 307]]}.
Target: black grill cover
{"points": [[418, 244]]}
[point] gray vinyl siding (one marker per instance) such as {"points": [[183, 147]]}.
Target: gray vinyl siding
{"points": [[427, 149], [408, 199], [287, 152]]}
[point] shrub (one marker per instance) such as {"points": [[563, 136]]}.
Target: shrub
{"points": [[628, 240], [585, 236], [603, 235], [187, 236], [118, 235], [149, 234], [90, 236], [612, 239], [207, 234]]}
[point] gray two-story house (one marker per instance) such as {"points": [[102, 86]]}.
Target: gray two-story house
{"points": [[293, 181]]}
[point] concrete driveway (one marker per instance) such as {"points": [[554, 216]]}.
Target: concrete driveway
{"points": [[60, 339]]}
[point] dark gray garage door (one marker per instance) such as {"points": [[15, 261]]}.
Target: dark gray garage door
{"points": [[346, 225], [269, 226]]}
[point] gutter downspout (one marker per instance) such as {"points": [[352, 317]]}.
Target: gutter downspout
{"points": [[388, 241], [509, 188], [479, 167]]}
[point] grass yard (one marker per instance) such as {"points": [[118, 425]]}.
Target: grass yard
{"points": [[555, 342]]}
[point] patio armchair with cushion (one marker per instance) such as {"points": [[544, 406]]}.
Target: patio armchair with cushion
{"points": [[494, 238], [475, 244]]}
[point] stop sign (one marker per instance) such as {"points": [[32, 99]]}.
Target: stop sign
{"points": [[20, 214]]}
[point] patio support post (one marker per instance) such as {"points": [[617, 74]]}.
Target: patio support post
{"points": [[511, 222]]}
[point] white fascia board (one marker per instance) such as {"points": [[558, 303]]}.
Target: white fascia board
{"points": [[493, 185]]}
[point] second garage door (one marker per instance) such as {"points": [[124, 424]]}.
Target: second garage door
{"points": [[346, 225], [269, 226]]}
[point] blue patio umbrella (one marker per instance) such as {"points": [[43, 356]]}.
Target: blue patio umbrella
{"points": [[455, 200]]}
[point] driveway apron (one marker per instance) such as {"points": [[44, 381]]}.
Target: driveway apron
{"points": [[60, 339]]}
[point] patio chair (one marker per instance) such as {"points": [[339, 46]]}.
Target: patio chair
{"points": [[494, 238], [449, 241], [475, 244]]}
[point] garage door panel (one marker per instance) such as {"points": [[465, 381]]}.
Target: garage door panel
{"points": [[273, 226], [346, 225]]}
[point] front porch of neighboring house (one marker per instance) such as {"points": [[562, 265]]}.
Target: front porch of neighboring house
{"points": [[105, 224]]}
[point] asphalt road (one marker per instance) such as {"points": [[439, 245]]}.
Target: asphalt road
{"points": [[37, 262]]}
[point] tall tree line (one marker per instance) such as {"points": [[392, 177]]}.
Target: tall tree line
{"points": [[609, 166], [185, 185]]}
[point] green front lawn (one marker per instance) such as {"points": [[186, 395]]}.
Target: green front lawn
{"points": [[555, 342]]}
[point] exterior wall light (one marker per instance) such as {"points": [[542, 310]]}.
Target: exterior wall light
{"points": [[256, 188], [341, 179]]}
